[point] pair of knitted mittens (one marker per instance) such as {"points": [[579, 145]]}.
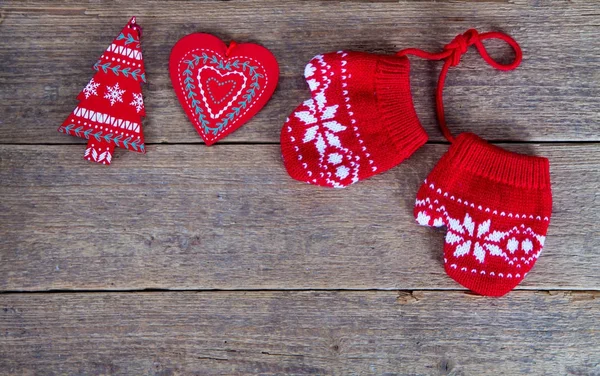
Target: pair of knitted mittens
{"points": [[360, 121]]}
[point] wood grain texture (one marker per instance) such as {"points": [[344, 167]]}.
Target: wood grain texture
{"points": [[300, 333], [229, 217], [187, 217], [48, 50]]}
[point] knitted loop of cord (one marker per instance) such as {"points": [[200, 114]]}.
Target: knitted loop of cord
{"points": [[451, 55]]}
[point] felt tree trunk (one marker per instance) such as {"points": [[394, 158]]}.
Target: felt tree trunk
{"points": [[111, 106]]}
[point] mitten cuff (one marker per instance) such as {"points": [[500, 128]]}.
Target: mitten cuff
{"points": [[394, 102], [471, 153]]}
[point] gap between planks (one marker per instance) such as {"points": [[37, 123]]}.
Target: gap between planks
{"points": [[586, 290]]}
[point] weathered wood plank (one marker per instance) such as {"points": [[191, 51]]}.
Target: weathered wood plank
{"points": [[300, 333], [229, 217], [49, 48]]}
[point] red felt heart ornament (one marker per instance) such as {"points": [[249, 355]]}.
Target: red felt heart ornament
{"points": [[219, 87]]}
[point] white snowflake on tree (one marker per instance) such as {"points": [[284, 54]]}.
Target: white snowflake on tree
{"points": [[90, 89], [114, 94], [138, 102]]}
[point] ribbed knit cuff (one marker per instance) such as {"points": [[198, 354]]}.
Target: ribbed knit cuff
{"points": [[470, 152], [395, 105]]}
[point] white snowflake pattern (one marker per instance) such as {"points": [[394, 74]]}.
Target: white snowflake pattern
{"points": [[309, 70], [518, 246], [336, 162], [90, 89], [138, 102], [322, 130], [114, 94], [478, 243], [424, 220]]}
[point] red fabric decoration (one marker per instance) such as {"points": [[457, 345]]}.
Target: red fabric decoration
{"points": [[495, 204], [359, 122], [219, 87], [111, 106]]}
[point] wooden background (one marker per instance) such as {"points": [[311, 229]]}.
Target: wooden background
{"points": [[196, 260]]}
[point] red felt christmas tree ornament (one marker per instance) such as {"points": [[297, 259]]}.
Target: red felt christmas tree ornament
{"points": [[359, 122], [111, 106], [495, 204]]}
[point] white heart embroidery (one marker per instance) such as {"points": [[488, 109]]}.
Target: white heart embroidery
{"points": [[233, 98]]}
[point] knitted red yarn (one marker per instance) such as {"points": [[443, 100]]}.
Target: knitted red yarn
{"points": [[359, 122], [495, 204]]}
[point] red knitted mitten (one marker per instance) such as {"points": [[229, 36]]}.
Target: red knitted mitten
{"points": [[495, 204], [359, 122]]}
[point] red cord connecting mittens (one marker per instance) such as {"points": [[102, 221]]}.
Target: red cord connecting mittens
{"points": [[495, 204]]}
